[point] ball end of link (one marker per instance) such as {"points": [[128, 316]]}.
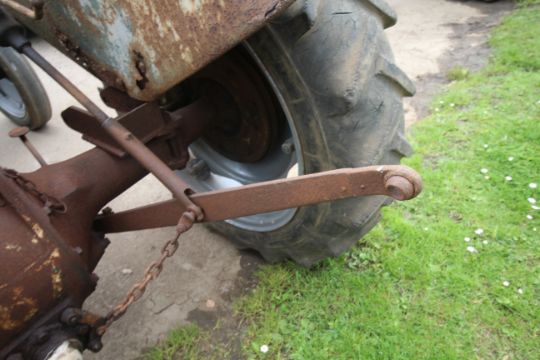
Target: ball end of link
{"points": [[403, 188]]}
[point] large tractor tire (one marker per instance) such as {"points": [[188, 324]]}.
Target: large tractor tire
{"points": [[331, 72]]}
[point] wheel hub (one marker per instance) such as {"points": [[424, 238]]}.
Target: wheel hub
{"points": [[243, 144], [248, 118]]}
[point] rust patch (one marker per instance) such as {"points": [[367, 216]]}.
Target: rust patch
{"points": [[12, 247], [29, 267], [141, 78], [37, 230], [77, 54], [175, 38], [56, 273], [20, 304]]}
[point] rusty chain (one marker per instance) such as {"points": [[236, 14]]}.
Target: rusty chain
{"points": [[152, 272], [50, 203]]}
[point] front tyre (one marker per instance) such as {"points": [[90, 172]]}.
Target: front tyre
{"points": [[22, 96]]}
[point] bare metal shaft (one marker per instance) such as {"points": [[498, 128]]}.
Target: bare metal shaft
{"points": [[33, 13], [21, 132], [33, 151]]}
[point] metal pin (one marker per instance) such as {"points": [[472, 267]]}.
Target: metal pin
{"points": [[21, 132]]}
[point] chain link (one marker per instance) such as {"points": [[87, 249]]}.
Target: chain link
{"points": [[152, 272], [50, 203]]}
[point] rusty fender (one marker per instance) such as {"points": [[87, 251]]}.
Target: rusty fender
{"points": [[145, 47]]}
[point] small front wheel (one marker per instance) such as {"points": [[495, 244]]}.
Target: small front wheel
{"points": [[22, 96]]}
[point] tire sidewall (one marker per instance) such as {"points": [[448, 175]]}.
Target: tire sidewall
{"points": [[304, 119], [25, 80]]}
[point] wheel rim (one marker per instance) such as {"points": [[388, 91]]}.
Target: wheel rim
{"points": [[213, 169], [11, 101]]}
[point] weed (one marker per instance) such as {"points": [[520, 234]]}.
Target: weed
{"points": [[457, 73]]}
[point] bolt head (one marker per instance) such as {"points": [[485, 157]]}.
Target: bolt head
{"points": [[287, 147], [71, 316], [95, 345]]}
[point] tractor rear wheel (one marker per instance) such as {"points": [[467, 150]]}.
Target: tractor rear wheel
{"points": [[316, 90]]}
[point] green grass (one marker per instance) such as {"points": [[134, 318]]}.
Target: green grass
{"points": [[457, 73], [411, 290], [181, 343]]}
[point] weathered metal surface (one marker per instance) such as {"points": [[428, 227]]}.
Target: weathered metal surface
{"points": [[248, 118], [399, 182], [47, 247], [146, 122], [21, 132], [145, 47], [123, 137], [39, 269]]}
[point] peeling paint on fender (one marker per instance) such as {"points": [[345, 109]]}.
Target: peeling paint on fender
{"points": [[175, 37]]}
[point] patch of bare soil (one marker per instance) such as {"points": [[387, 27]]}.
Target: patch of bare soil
{"points": [[468, 48]]}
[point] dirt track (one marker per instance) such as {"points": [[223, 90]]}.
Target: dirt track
{"points": [[431, 37]]}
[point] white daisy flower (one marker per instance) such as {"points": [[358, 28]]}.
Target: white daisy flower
{"points": [[467, 239], [479, 231], [486, 146], [520, 291], [485, 242], [487, 177], [506, 283], [529, 217], [535, 207], [264, 349], [471, 249], [510, 158], [531, 200], [533, 185], [452, 104], [508, 178], [484, 171]]}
